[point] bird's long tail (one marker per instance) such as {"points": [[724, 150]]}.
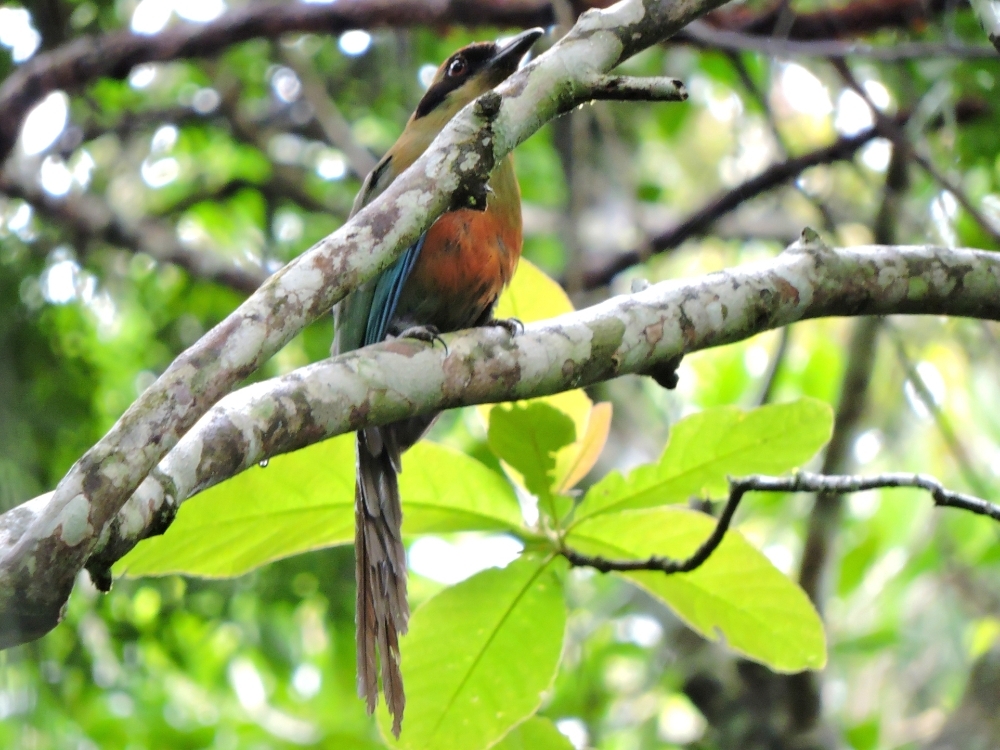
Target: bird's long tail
{"points": [[380, 559]]}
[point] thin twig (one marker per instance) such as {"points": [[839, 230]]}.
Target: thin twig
{"points": [[859, 17], [892, 130], [941, 421], [699, 221], [771, 377], [751, 87], [335, 126], [800, 482], [92, 218], [703, 35]]}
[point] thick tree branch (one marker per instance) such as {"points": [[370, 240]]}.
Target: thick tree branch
{"points": [[452, 172], [639, 333], [800, 482]]}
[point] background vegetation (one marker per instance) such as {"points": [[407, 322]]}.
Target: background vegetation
{"points": [[136, 213]]}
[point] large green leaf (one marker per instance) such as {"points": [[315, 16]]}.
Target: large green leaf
{"points": [[305, 500], [446, 490], [537, 733], [533, 296], [527, 436], [707, 447], [478, 657], [737, 593]]}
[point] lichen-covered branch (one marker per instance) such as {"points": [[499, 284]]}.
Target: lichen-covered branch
{"points": [[453, 172], [989, 16], [641, 333]]}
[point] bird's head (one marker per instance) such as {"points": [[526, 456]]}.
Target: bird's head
{"points": [[473, 71]]}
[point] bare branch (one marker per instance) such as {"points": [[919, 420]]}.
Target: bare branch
{"points": [[948, 433], [892, 130], [698, 222], [335, 126], [800, 482], [855, 18], [774, 368], [113, 55]]}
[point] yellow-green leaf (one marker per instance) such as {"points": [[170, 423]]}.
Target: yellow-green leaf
{"points": [[537, 733], [590, 447], [479, 657], [707, 447], [305, 500], [534, 296], [736, 594]]}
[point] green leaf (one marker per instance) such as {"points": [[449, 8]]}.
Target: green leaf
{"points": [[527, 437], [707, 447], [305, 500], [479, 656], [445, 490], [736, 594], [537, 733], [532, 296]]}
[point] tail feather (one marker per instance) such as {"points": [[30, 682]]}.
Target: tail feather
{"points": [[366, 623], [380, 561], [382, 612]]}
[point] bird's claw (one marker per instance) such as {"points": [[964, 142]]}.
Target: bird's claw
{"points": [[513, 326], [428, 334]]}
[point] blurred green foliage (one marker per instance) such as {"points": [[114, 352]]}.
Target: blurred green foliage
{"points": [[266, 660]]}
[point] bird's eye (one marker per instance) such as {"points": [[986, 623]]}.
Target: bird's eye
{"points": [[457, 67]]}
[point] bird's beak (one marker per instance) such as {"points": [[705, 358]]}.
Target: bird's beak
{"points": [[508, 57]]}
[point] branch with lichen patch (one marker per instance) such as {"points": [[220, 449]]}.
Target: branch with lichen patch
{"points": [[642, 333], [633, 89]]}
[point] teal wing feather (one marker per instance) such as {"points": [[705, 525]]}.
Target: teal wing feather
{"points": [[363, 317], [387, 292]]}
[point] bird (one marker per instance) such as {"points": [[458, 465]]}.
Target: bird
{"points": [[448, 280]]}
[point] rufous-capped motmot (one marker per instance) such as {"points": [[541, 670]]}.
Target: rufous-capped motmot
{"points": [[448, 280]]}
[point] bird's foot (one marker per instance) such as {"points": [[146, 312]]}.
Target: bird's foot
{"points": [[429, 334], [513, 326]]}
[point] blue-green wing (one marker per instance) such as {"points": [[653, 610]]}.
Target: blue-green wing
{"points": [[387, 292], [363, 317]]}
